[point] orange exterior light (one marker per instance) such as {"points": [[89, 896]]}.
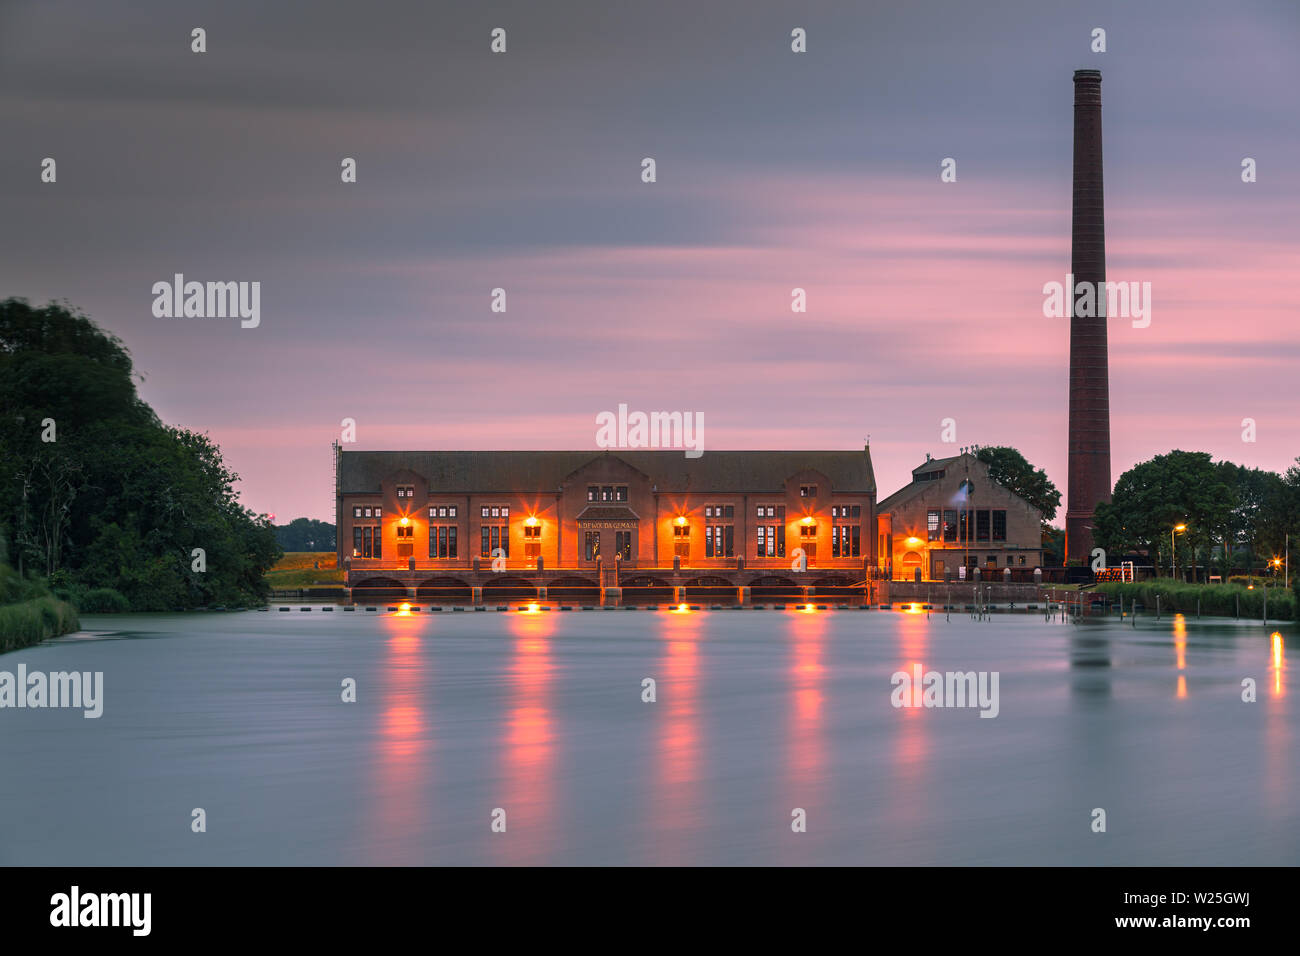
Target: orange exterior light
{"points": [[808, 520], [913, 540], [1180, 527], [405, 522], [681, 519], [531, 522]]}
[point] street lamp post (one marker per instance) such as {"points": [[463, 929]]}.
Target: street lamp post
{"points": [[1173, 560]]}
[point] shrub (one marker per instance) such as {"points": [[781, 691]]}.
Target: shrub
{"points": [[103, 601], [31, 622], [1216, 599]]}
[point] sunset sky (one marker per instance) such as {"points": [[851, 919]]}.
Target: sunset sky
{"points": [[775, 170]]}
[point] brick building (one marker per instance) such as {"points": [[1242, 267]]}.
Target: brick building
{"points": [[738, 515], [953, 514]]}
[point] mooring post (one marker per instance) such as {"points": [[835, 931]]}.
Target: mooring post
{"points": [[1157, 607]]}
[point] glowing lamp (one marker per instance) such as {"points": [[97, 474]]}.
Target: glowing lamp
{"points": [[405, 522], [681, 519], [808, 520], [531, 522]]}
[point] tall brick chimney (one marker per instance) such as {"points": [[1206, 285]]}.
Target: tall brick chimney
{"points": [[1089, 451]]}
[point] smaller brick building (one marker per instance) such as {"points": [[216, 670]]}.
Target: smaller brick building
{"points": [[953, 515]]}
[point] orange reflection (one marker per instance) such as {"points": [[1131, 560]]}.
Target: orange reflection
{"points": [[403, 745], [912, 737], [675, 810], [805, 752], [1180, 652], [1278, 778], [529, 739], [1278, 665]]}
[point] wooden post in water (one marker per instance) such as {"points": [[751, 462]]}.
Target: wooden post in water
{"points": [[1157, 607]]}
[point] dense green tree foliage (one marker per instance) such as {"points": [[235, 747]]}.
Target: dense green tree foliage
{"points": [[305, 534], [1234, 516], [95, 492], [1010, 469]]}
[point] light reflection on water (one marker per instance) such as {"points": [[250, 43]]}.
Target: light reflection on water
{"points": [[757, 713]]}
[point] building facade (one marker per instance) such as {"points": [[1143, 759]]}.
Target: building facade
{"points": [[953, 515], [630, 511]]}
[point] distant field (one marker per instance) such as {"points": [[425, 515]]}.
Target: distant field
{"points": [[298, 569]]}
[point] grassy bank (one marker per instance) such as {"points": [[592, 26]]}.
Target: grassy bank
{"points": [[30, 622], [304, 569], [1215, 599]]}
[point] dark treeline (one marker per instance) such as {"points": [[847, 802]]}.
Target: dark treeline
{"points": [[305, 534], [1233, 518], [112, 507]]}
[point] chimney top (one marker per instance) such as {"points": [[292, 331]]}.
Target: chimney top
{"points": [[1087, 76]]}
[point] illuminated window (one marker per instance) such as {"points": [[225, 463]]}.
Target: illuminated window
{"points": [[771, 541], [367, 537], [623, 544], [932, 525], [356, 512], [593, 493], [950, 526], [719, 540], [532, 531], [807, 491], [591, 545], [442, 541], [846, 541]]}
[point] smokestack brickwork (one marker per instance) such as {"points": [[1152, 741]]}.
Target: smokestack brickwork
{"points": [[1089, 447]]}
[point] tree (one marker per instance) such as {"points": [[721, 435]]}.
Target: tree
{"points": [[1154, 496], [1053, 541], [1010, 469], [1264, 510], [305, 534], [95, 488]]}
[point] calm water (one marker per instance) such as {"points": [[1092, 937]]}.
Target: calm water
{"points": [[758, 712]]}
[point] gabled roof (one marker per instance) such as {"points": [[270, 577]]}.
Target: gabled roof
{"points": [[916, 487], [495, 472], [936, 464], [901, 495]]}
